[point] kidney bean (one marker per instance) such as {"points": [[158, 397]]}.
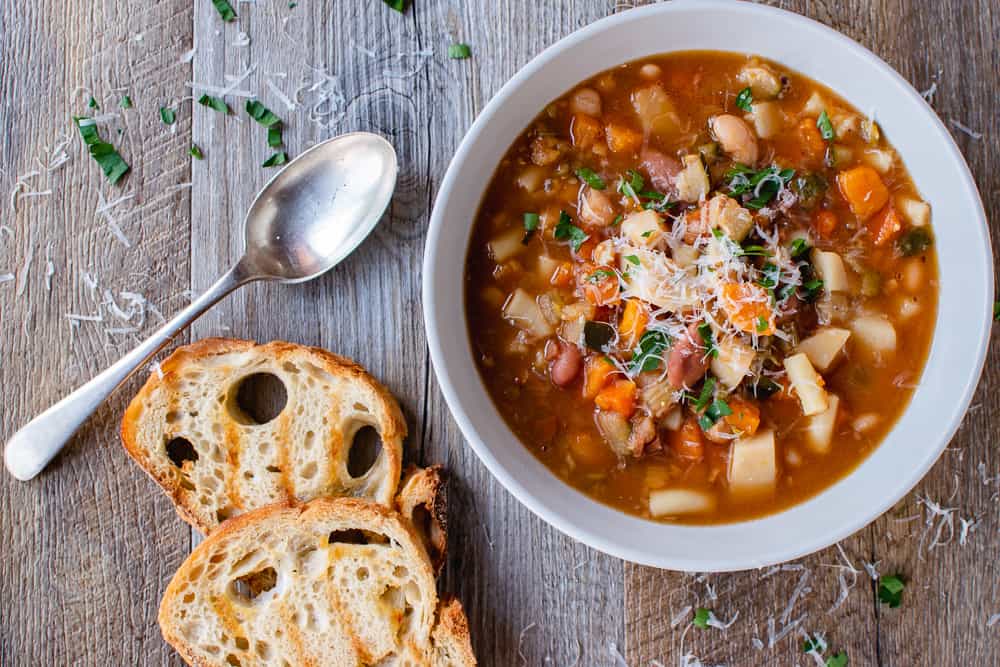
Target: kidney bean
{"points": [[566, 362], [662, 170], [687, 362]]}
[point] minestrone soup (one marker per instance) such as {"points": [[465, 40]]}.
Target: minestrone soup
{"points": [[701, 287]]}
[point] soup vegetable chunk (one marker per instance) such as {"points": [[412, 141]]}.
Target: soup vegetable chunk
{"points": [[701, 287]]}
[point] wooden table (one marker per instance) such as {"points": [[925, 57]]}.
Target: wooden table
{"points": [[89, 546]]}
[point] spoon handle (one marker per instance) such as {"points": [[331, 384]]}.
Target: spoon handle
{"points": [[37, 443]]}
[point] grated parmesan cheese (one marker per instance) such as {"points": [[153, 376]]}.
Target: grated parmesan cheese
{"points": [[965, 129]]}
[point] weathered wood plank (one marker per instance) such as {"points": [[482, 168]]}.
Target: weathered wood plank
{"points": [[952, 589], [89, 545]]}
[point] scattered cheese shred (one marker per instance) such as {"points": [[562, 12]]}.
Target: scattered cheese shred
{"points": [[965, 129]]}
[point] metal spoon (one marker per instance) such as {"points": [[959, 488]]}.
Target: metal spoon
{"points": [[303, 223]]}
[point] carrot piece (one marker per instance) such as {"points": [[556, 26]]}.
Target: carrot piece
{"points": [[563, 275], [585, 130], [586, 250], [635, 317], [864, 190], [745, 418], [601, 286], [619, 396], [622, 138], [686, 442], [885, 226], [597, 372], [812, 141], [825, 223], [748, 307]]}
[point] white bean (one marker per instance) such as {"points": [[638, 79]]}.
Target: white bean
{"points": [[736, 138], [586, 100], [650, 71]]}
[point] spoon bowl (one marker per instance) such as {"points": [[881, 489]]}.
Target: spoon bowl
{"points": [[295, 228], [305, 221]]}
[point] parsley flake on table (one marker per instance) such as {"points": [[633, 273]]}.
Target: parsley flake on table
{"points": [[276, 159], [890, 590], [196, 152], [226, 11], [701, 617], [459, 51], [261, 113], [215, 103], [839, 660], [398, 5], [111, 163], [168, 115], [126, 102]]}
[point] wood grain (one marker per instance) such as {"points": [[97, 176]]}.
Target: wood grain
{"points": [[89, 547]]}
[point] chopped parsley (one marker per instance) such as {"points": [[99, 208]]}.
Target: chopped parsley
{"points": [[459, 51], [713, 413], [705, 396], [530, 225], [763, 184], [705, 331], [646, 234], [839, 660], [276, 159], [634, 259], [597, 335], [111, 163], [168, 115], [274, 136], [567, 231], [701, 617], [799, 248], [825, 127], [753, 250], [618, 220], [92, 103], [196, 152], [890, 590], [649, 353], [226, 11], [214, 103], [589, 177], [811, 645], [126, 102], [764, 387], [915, 241], [631, 184], [745, 99], [398, 5], [600, 275], [770, 276], [761, 324], [261, 113]]}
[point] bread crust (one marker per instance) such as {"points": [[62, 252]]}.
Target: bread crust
{"points": [[423, 499], [144, 445]]}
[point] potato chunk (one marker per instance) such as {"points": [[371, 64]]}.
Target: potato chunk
{"points": [[874, 333], [767, 119], [666, 502], [753, 465], [723, 212], [824, 347], [807, 383], [506, 245], [732, 364], [819, 427], [692, 182], [830, 268], [523, 311], [643, 228], [916, 212]]}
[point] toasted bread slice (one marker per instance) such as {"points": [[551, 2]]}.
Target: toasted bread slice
{"points": [[336, 581], [188, 431], [423, 499]]}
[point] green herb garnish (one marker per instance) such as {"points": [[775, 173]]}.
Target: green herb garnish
{"points": [[168, 115], [745, 99], [276, 159], [763, 184], [590, 178], [111, 163], [599, 275], [214, 103], [753, 250], [398, 5], [459, 51], [813, 288], [196, 152], [566, 231], [618, 220], [996, 311], [261, 113], [126, 102], [649, 353], [799, 248], [530, 225], [631, 184], [597, 335], [839, 660], [890, 590], [705, 396], [225, 9], [92, 103], [915, 241], [770, 276], [825, 127], [705, 331], [274, 135], [701, 617], [634, 259], [761, 324], [811, 645]]}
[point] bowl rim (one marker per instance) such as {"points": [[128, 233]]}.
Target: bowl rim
{"points": [[584, 534]]}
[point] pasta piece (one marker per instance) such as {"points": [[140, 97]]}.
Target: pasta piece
{"points": [[807, 383], [668, 502], [732, 363], [753, 466], [916, 212], [644, 229], [819, 427], [830, 268], [767, 119]]}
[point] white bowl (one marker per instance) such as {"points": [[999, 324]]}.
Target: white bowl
{"points": [[963, 247]]}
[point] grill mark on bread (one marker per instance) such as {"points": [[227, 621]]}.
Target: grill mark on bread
{"points": [[286, 483], [232, 443]]}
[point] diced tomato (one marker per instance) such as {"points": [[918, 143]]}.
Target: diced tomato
{"points": [[618, 396], [597, 373], [885, 226]]}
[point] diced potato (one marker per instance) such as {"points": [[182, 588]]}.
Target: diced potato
{"points": [[916, 212], [655, 110], [763, 83], [723, 212], [845, 124], [880, 159], [732, 363], [571, 331], [819, 427], [753, 466], [767, 119], [643, 228], [547, 266], [865, 422], [506, 245], [840, 155], [907, 307], [814, 106], [685, 255], [673, 419], [807, 384], [532, 178], [824, 347], [830, 268], [874, 333], [692, 182], [666, 502], [523, 311]]}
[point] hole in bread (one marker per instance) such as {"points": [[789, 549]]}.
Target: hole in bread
{"points": [[309, 470], [365, 449], [362, 573], [242, 643], [259, 398], [250, 586], [180, 450], [263, 650], [233, 660], [224, 513], [351, 536], [361, 407]]}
